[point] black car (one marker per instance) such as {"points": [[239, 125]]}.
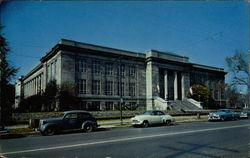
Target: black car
{"points": [[69, 120]]}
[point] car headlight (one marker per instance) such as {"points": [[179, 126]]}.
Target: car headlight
{"points": [[42, 122]]}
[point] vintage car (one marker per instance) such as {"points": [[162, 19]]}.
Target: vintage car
{"points": [[3, 130], [244, 114], [69, 120], [223, 114], [152, 117]]}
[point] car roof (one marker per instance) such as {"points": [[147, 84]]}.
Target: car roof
{"points": [[76, 111], [153, 110]]}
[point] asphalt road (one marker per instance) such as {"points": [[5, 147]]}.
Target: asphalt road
{"points": [[228, 139]]}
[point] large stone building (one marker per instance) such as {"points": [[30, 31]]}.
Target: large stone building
{"points": [[105, 77]]}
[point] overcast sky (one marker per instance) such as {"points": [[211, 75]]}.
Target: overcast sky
{"points": [[206, 32]]}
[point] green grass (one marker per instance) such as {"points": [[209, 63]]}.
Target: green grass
{"points": [[20, 131]]}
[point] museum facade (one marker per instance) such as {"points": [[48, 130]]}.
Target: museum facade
{"points": [[106, 77]]}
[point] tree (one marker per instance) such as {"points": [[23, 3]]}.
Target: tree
{"points": [[67, 97], [201, 93], [50, 96], [7, 72], [239, 66]]}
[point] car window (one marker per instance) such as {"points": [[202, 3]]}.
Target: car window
{"points": [[71, 116], [160, 113], [83, 115], [155, 112]]}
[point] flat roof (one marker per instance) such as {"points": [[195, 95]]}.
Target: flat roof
{"points": [[151, 53]]}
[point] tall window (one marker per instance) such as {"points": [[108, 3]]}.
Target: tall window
{"points": [[51, 71], [120, 89], [121, 70], [132, 71], [55, 64], [81, 86], [109, 106], [96, 87], [94, 106], [96, 67], [131, 89], [109, 88], [81, 65], [48, 73], [109, 69]]}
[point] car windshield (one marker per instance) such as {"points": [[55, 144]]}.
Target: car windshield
{"points": [[225, 110], [61, 115]]}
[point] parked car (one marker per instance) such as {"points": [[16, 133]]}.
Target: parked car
{"points": [[152, 117], [223, 114], [244, 114], [69, 120], [3, 130]]}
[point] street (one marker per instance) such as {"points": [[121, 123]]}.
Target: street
{"points": [[228, 139]]}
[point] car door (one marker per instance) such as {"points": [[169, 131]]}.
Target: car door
{"points": [[156, 117], [70, 121], [82, 117]]}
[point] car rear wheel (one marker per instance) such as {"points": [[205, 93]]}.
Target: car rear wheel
{"points": [[88, 128], [168, 122], [145, 124]]}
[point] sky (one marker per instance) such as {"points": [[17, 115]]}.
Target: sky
{"points": [[205, 31]]}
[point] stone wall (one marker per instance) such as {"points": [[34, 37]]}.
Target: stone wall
{"points": [[41, 115]]}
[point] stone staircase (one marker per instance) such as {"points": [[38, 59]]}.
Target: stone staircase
{"points": [[183, 105]]}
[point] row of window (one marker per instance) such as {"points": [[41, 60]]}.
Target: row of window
{"points": [[109, 87], [109, 68], [96, 106], [51, 70]]}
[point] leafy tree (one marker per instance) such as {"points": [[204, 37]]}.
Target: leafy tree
{"points": [[67, 98], [50, 96], [7, 72], [33, 103], [201, 93]]}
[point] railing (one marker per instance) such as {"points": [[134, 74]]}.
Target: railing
{"points": [[196, 103], [160, 104]]}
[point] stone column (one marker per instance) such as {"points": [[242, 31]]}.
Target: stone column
{"points": [[182, 86], [166, 84], [175, 86]]}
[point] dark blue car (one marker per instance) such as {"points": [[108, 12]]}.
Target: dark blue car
{"points": [[223, 114], [69, 120]]}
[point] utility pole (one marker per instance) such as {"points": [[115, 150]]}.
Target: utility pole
{"points": [[0, 91], [120, 90]]}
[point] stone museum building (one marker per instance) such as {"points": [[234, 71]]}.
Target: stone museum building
{"points": [[105, 77]]}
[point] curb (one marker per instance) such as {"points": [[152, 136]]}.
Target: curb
{"points": [[102, 126]]}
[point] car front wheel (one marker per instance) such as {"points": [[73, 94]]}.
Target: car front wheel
{"points": [[49, 131], [145, 124], [222, 118]]}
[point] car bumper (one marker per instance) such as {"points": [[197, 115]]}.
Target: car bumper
{"points": [[4, 131], [244, 116], [136, 122], [214, 118]]}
